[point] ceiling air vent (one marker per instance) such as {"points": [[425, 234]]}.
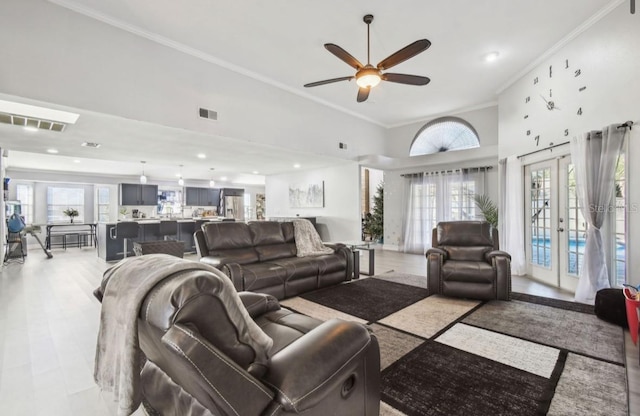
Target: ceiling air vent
{"points": [[91, 144], [210, 114], [35, 123]]}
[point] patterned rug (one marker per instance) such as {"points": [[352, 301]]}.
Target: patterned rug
{"points": [[447, 356]]}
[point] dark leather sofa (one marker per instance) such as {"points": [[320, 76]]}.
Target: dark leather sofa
{"points": [[465, 261], [261, 257], [202, 358]]}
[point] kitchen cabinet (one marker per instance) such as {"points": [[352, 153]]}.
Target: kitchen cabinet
{"points": [[202, 197], [138, 194]]}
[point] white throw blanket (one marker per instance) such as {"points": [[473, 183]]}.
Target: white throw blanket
{"points": [[117, 364], [308, 242]]}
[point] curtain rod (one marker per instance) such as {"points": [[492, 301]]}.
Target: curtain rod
{"points": [[628, 124], [440, 172], [542, 150]]}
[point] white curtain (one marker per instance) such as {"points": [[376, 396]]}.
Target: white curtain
{"points": [[435, 197], [594, 156], [512, 220]]}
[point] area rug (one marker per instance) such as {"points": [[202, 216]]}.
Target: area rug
{"points": [[447, 356], [369, 299]]}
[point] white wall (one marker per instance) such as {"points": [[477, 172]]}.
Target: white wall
{"points": [[339, 220], [485, 121], [607, 54]]}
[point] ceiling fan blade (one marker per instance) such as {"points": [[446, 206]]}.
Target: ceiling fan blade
{"points": [[328, 81], [363, 94], [344, 55], [406, 79], [405, 53]]}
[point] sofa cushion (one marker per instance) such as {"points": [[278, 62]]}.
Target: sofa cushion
{"points": [[468, 271], [227, 235], [298, 267], [266, 233], [467, 253], [465, 233], [276, 251], [328, 263], [260, 275], [238, 255]]}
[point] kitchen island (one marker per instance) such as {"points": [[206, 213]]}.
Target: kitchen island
{"points": [[112, 249]]}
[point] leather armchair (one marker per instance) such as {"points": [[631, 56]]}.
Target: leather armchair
{"points": [[465, 261], [201, 359]]}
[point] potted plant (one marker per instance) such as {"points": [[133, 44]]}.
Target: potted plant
{"points": [[488, 209], [71, 213], [123, 213]]}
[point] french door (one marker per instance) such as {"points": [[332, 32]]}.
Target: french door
{"points": [[555, 228]]}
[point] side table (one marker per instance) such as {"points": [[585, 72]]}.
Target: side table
{"points": [[357, 247]]}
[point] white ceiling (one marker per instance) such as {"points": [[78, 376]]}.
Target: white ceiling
{"points": [[281, 42]]}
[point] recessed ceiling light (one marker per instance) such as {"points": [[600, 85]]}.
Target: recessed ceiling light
{"points": [[223, 178], [76, 161], [255, 172], [52, 151], [297, 165], [491, 56], [202, 156]]}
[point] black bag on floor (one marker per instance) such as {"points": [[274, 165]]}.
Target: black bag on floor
{"points": [[610, 306]]}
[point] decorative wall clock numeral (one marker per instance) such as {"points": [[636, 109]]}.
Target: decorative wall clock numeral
{"points": [[582, 89], [526, 116], [528, 132], [566, 64], [577, 73], [566, 132], [537, 139], [550, 93], [535, 80], [526, 100], [550, 71], [579, 111]]}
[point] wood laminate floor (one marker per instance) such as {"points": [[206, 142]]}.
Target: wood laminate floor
{"points": [[49, 321]]}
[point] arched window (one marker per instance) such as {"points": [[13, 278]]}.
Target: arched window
{"points": [[442, 135]]}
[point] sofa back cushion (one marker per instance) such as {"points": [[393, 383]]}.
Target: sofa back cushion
{"points": [[467, 253], [231, 241], [270, 242], [465, 233]]}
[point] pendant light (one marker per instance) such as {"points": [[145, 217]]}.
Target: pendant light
{"points": [[143, 178], [181, 181], [212, 183]]}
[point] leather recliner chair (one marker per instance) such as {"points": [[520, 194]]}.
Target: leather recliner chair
{"points": [[465, 261], [201, 360]]}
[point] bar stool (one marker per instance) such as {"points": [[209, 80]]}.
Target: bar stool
{"points": [[125, 230], [168, 228]]}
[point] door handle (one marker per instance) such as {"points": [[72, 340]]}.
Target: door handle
{"points": [[560, 229]]}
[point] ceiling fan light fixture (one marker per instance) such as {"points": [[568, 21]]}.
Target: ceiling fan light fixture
{"points": [[368, 78]]}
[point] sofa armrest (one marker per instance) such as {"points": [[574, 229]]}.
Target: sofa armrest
{"points": [[437, 251], [496, 253], [229, 386], [236, 274], [435, 258], [501, 263], [346, 253], [258, 304], [319, 362]]}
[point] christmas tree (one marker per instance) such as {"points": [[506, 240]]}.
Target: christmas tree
{"points": [[376, 222]]}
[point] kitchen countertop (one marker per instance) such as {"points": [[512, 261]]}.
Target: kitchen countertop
{"points": [[157, 220]]}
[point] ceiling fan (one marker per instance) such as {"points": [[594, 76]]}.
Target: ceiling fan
{"points": [[368, 76]]}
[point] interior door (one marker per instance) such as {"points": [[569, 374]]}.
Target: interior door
{"points": [[555, 226]]}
